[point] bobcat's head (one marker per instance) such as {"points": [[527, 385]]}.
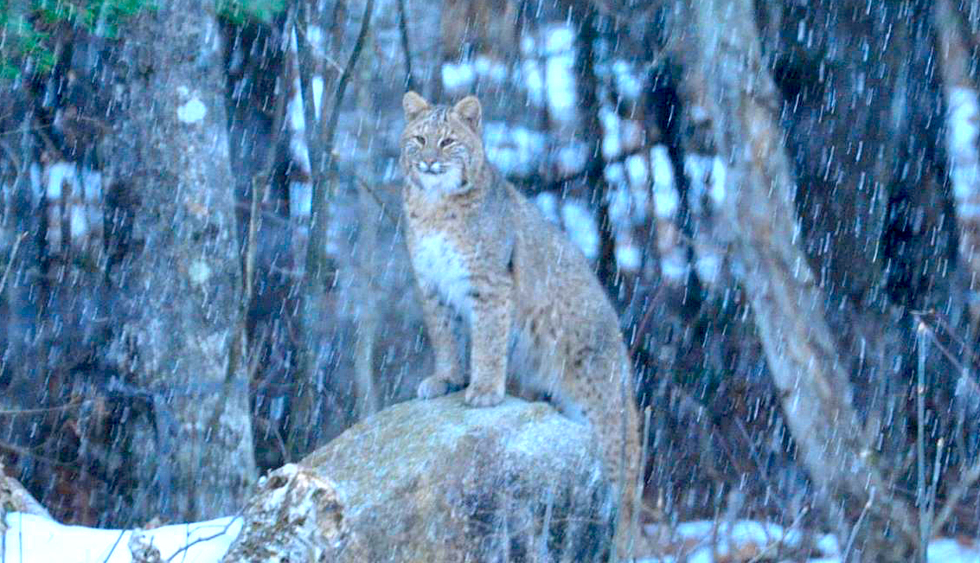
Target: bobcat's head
{"points": [[441, 146]]}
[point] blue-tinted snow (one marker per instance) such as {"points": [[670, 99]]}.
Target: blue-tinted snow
{"points": [[513, 150]]}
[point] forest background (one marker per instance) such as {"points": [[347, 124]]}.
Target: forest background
{"points": [[202, 274]]}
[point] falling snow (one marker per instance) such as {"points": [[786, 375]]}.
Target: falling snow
{"points": [[796, 214]]}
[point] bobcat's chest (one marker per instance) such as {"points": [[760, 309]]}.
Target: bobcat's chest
{"points": [[440, 265]]}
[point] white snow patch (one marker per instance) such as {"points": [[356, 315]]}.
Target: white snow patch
{"points": [[37, 180], [317, 86], [92, 185], [77, 222], [719, 172], [199, 272], [707, 176], [300, 201], [611, 145], [300, 152], [559, 39], [666, 199], [560, 86], [708, 266], [949, 550], [59, 174], [571, 158], [699, 114], [963, 114], [514, 150], [533, 81], [631, 135], [547, 202], [620, 205], [456, 77], [490, 68], [34, 539], [964, 127], [581, 227], [297, 121], [627, 82], [192, 111], [615, 174], [636, 168], [628, 257], [314, 34], [528, 45], [674, 265]]}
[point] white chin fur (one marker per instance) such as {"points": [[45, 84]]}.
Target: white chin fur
{"points": [[449, 181]]}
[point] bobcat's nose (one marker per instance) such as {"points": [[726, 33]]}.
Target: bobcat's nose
{"points": [[431, 166]]}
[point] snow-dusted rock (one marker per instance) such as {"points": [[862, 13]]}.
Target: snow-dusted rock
{"points": [[439, 481], [15, 498], [294, 515]]}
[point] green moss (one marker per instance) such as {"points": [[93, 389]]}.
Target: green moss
{"points": [[28, 36], [240, 12]]}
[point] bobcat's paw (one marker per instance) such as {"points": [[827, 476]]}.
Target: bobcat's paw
{"points": [[432, 387], [483, 396]]}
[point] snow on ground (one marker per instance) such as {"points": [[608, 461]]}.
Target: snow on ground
{"points": [[745, 540], [34, 539]]}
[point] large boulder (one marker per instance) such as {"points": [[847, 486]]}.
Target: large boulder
{"points": [[438, 481]]}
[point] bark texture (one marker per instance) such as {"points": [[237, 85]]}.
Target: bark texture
{"points": [[963, 127], [787, 302], [177, 344]]}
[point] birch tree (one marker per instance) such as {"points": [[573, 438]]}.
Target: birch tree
{"points": [[178, 340]]}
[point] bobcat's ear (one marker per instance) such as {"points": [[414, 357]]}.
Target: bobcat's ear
{"points": [[469, 109], [413, 104]]}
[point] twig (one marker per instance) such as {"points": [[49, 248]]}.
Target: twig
{"points": [[857, 525], [920, 452], [556, 183], [934, 485], [37, 457], [206, 538], [377, 199], [45, 410], [10, 261], [641, 327], [403, 30], [114, 546], [942, 322], [955, 496], [772, 545], [344, 79]]}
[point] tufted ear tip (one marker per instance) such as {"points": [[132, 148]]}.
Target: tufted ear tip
{"points": [[413, 104], [470, 111]]}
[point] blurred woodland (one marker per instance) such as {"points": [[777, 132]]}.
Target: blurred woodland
{"points": [[203, 277]]}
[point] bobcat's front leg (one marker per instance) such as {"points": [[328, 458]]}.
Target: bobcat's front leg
{"points": [[490, 326], [438, 318]]}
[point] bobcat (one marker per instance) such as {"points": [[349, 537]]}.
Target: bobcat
{"points": [[481, 251]]}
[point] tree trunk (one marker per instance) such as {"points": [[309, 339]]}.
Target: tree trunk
{"points": [[787, 303], [962, 109], [178, 341]]}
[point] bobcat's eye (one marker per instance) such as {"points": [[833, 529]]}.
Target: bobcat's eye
{"points": [[446, 142], [419, 139]]}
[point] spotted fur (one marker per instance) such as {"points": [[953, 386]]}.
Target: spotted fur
{"points": [[535, 310]]}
